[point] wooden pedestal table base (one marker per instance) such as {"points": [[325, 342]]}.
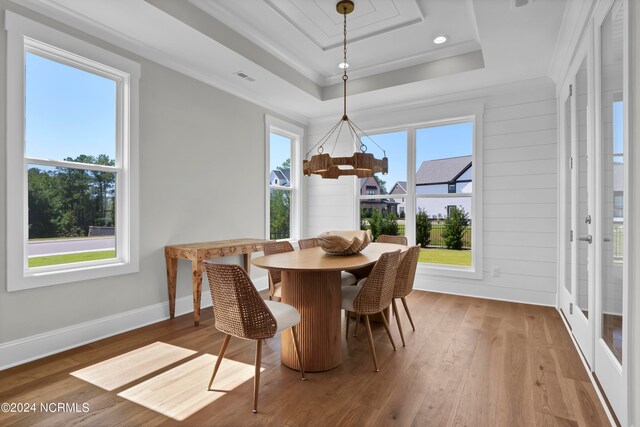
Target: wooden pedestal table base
{"points": [[316, 295]]}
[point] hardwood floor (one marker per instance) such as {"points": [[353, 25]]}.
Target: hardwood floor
{"points": [[471, 362]]}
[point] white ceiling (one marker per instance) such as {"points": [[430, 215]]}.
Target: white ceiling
{"points": [[288, 46], [383, 34]]}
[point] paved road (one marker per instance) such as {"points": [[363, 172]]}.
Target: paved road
{"points": [[48, 247]]}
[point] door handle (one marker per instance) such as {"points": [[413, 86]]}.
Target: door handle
{"points": [[586, 238]]}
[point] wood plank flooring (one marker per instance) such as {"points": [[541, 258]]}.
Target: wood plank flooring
{"points": [[471, 362]]}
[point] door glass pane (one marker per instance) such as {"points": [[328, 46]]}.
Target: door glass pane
{"points": [[613, 179], [582, 162], [568, 193]]}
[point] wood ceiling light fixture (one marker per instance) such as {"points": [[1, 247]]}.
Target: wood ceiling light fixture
{"points": [[361, 164]]}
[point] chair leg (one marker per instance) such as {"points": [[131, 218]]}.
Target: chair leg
{"points": [[348, 319], [395, 313], [371, 345], [227, 337], [296, 344], [406, 308], [386, 328], [355, 332], [256, 377]]}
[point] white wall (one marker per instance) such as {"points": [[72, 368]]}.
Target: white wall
{"points": [[192, 138], [520, 189]]}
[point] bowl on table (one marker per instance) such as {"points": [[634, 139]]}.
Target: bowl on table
{"points": [[344, 242]]}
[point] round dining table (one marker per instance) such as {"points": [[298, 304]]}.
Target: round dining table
{"points": [[311, 284]]}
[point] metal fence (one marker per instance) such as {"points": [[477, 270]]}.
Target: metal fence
{"points": [[436, 239]]}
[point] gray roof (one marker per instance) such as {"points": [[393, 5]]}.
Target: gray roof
{"points": [[281, 174], [401, 184], [441, 170]]}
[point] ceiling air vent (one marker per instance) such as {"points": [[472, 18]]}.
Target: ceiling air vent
{"points": [[520, 3], [245, 76]]}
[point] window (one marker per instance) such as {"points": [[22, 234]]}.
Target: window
{"points": [[432, 177], [380, 211], [71, 149], [283, 178], [443, 153]]}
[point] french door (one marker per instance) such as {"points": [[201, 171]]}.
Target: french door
{"points": [[577, 300], [594, 187]]}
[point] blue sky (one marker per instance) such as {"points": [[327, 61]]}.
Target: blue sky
{"points": [[280, 148], [431, 143], [68, 111]]}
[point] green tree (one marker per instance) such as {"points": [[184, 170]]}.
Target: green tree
{"points": [[280, 204], [285, 166], [384, 222], [67, 201], [423, 228], [454, 227], [382, 184]]}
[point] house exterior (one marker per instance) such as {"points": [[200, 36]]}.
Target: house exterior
{"points": [[451, 175], [281, 178], [400, 187], [370, 187]]}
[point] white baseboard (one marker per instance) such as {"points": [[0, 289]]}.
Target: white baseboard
{"points": [[24, 350], [477, 290]]}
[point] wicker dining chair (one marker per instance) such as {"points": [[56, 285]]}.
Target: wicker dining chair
{"points": [[404, 284], [398, 240], [346, 278], [373, 295], [275, 276], [308, 243], [240, 312]]}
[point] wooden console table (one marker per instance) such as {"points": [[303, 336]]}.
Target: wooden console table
{"points": [[198, 252]]}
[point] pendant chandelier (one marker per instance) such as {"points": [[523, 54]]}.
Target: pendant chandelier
{"points": [[361, 164]]}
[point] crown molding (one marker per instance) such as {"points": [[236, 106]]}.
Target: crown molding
{"points": [[574, 22], [53, 10]]}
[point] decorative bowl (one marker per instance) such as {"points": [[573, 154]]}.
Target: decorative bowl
{"points": [[344, 242]]}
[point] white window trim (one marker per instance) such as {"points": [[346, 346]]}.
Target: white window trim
{"points": [[24, 34], [472, 112], [296, 133]]}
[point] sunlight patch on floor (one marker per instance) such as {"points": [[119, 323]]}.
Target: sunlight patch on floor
{"points": [[182, 391], [128, 367]]}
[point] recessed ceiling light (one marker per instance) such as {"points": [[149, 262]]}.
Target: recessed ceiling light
{"points": [[440, 40], [343, 65]]}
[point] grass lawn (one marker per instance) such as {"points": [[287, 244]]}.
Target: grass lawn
{"points": [[445, 256], [41, 261]]}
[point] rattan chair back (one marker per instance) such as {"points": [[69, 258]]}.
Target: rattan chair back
{"points": [[271, 248], [308, 243], [377, 292], [237, 306], [406, 272], [398, 240]]}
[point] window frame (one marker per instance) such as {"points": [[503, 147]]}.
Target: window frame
{"points": [[23, 36], [296, 134], [471, 113]]}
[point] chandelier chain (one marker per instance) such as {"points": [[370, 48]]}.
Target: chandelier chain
{"points": [[344, 62]]}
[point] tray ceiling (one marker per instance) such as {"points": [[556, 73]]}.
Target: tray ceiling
{"points": [[384, 35], [392, 55]]}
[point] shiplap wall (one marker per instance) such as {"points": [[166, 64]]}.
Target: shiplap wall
{"points": [[519, 184]]}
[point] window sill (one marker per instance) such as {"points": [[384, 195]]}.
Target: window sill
{"points": [[17, 280], [428, 270]]}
